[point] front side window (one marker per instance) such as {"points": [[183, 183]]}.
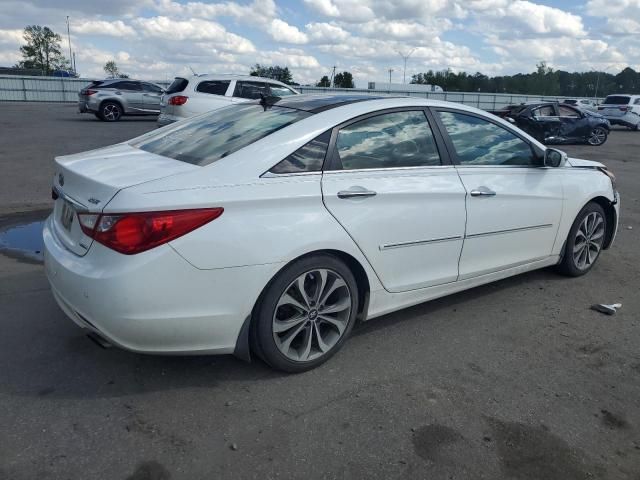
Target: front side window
{"points": [[214, 87], [250, 90], [208, 138], [480, 142], [390, 140], [149, 87], [280, 91], [308, 158]]}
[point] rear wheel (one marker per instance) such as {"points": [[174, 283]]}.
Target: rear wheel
{"points": [[306, 314], [585, 241], [598, 136], [110, 112]]}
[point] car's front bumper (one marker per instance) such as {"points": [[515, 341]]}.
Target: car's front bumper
{"points": [[630, 119], [153, 302]]}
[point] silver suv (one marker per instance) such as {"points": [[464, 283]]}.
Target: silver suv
{"points": [[110, 99]]}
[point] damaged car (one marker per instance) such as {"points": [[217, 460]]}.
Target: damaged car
{"points": [[554, 123]]}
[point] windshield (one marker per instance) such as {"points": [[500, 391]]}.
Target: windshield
{"points": [[616, 100], [215, 135]]}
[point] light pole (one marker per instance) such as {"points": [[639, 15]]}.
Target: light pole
{"points": [[405, 58], [390, 70], [70, 54], [595, 95]]}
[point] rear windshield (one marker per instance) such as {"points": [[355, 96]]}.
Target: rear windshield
{"points": [[178, 85], [616, 100], [212, 136], [571, 102]]}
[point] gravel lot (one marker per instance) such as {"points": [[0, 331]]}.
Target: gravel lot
{"points": [[513, 380]]}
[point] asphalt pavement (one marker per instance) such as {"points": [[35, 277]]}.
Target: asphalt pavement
{"points": [[514, 380]]}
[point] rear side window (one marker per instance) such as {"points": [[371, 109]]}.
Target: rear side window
{"points": [[130, 86], [308, 158], [390, 140], [546, 111], [616, 100], [250, 90], [213, 87], [637, 102], [208, 138], [178, 85]]}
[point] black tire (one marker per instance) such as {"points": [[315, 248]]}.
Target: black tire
{"points": [[598, 136], [263, 335], [569, 265], [110, 112]]}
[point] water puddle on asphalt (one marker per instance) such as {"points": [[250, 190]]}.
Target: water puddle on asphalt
{"points": [[23, 241]]}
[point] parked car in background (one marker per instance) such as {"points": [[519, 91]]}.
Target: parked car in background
{"points": [[622, 110], [555, 123], [582, 103], [272, 228], [198, 94], [111, 99]]}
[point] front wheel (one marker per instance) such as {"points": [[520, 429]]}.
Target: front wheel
{"points": [[585, 241], [597, 136], [305, 314]]}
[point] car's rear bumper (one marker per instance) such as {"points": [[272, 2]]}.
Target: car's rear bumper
{"points": [[153, 302]]}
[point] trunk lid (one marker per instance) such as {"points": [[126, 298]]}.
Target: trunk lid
{"points": [[86, 182]]}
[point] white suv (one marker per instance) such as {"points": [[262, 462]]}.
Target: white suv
{"points": [[197, 94], [622, 109]]}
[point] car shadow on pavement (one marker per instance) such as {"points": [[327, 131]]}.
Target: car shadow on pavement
{"points": [[63, 362]]}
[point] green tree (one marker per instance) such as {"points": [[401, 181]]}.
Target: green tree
{"points": [[343, 80], [282, 74], [324, 82], [111, 69], [42, 51]]}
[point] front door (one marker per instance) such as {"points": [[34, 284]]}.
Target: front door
{"points": [[402, 205], [513, 203], [151, 97]]}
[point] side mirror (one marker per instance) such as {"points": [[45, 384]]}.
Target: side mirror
{"points": [[554, 158]]}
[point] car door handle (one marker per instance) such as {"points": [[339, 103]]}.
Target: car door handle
{"points": [[482, 192], [356, 192]]}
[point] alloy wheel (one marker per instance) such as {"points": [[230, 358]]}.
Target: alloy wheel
{"points": [[598, 136], [312, 315], [111, 112], [588, 241]]}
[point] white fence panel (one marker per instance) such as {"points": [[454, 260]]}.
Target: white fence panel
{"points": [[58, 89]]}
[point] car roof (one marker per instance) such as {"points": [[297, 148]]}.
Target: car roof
{"points": [[231, 76], [314, 103]]}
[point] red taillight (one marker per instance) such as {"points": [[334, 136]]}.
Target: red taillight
{"points": [[623, 109], [88, 92], [178, 100], [132, 233]]}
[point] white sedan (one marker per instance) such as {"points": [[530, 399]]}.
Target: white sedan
{"points": [[272, 228]]}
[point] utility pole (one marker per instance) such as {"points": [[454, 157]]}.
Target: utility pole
{"points": [[390, 70], [75, 72], [70, 54], [405, 58], [333, 75]]}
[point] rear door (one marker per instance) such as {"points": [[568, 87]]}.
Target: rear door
{"points": [[390, 185], [514, 205]]}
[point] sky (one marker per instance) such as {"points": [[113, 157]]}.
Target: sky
{"points": [[161, 39]]}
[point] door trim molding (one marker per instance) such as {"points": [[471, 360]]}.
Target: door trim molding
{"points": [[510, 230], [419, 242]]}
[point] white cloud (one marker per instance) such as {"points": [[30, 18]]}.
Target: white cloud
{"points": [[283, 32], [194, 30], [116, 28], [623, 16], [326, 33]]}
